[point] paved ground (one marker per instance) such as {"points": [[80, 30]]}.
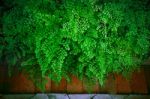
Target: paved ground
{"points": [[72, 96]]}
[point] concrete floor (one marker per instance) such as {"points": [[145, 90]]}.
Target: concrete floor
{"points": [[72, 96]]}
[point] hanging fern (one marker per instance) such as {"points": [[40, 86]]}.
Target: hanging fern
{"points": [[87, 38]]}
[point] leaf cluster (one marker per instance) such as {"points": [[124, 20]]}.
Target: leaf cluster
{"points": [[86, 38]]}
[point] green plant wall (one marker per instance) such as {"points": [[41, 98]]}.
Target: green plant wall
{"points": [[86, 38]]}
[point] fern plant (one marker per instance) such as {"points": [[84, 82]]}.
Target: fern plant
{"points": [[86, 38]]}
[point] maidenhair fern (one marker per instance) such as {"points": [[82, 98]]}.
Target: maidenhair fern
{"points": [[86, 38]]}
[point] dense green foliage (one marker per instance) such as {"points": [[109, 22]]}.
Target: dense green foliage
{"points": [[87, 38]]}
